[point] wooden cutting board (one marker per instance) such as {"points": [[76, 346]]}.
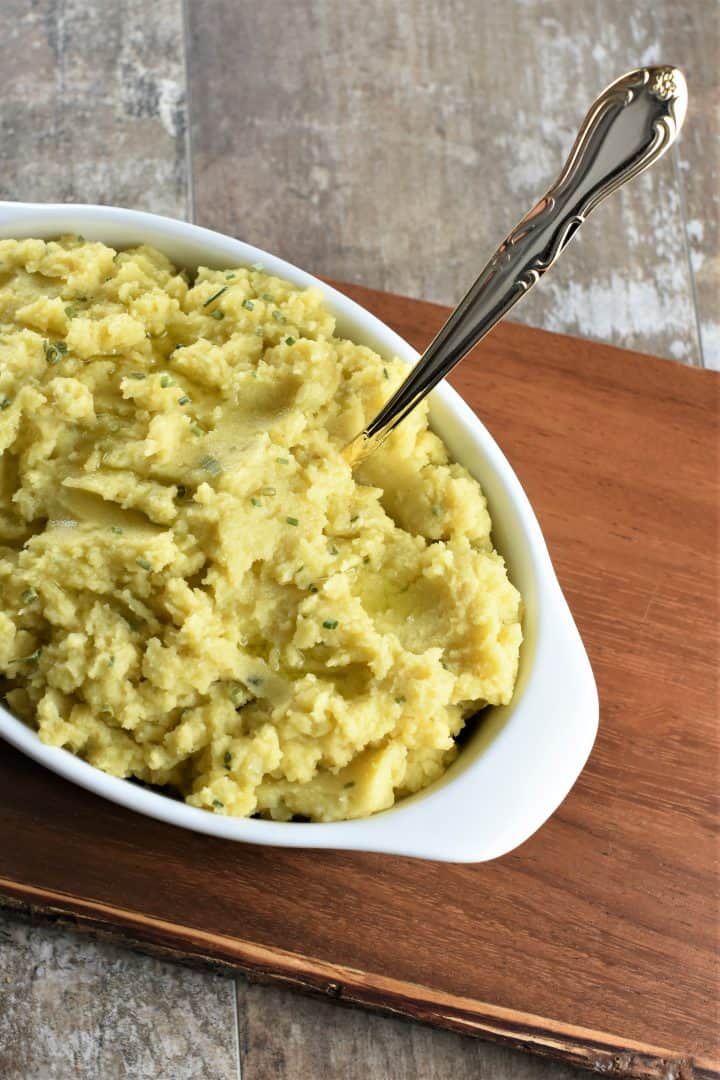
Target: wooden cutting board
{"points": [[596, 941]]}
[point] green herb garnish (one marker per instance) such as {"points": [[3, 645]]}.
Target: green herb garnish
{"points": [[181, 491], [289, 340], [229, 275], [227, 759], [312, 588], [29, 595], [354, 518], [218, 314], [166, 380], [54, 351], [196, 429], [292, 521], [282, 460], [70, 311], [117, 530], [350, 783], [332, 549], [255, 501], [279, 317], [237, 695], [385, 373], [366, 559], [215, 296], [143, 564], [268, 491], [254, 680], [435, 510], [248, 305], [400, 700], [268, 296], [184, 400], [5, 403], [330, 624], [136, 375], [216, 802], [211, 465]]}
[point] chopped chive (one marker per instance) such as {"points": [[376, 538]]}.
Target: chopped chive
{"points": [[312, 588], [292, 521], [230, 275], [4, 404], [136, 375], [166, 380], [385, 373], [436, 510], [181, 491], [350, 783], [80, 238], [354, 518], [254, 680], [218, 314], [279, 317], [332, 549], [29, 595], [255, 501], [282, 460], [400, 700], [211, 465], [268, 491], [196, 429], [184, 400], [248, 305], [215, 296], [116, 529], [289, 340], [330, 624], [70, 311], [54, 350], [237, 695], [259, 332], [216, 802], [227, 759], [366, 559], [268, 296], [143, 564]]}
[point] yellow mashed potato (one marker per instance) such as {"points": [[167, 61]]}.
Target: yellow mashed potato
{"points": [[195, 590]]}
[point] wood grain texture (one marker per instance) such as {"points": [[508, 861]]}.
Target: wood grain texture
{"points": [[615, 895], [395, 145], [71, 1008], [692, 33], [287, 1037], [93, 103]]}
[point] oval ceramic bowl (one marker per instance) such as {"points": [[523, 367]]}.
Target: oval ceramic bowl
{"points": [[524, 758]]}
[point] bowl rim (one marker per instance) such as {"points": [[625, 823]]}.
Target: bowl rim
{"points": [[500, 798]]}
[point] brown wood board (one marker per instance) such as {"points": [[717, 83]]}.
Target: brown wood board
{"points": [[596, 941]]}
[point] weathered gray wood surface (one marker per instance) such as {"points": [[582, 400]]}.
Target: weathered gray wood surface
{"points": [[391, 144], [395, 146]]}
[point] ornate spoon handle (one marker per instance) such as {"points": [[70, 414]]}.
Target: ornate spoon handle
{"points": [[630, 126]]}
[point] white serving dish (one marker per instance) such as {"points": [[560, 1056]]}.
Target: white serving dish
{"points": [[521, 763]]}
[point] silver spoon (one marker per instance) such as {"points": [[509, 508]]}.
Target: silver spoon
{"points": [[633, 122]]}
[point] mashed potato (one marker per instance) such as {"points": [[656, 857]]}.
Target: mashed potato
{"points": [[195, 589]]}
